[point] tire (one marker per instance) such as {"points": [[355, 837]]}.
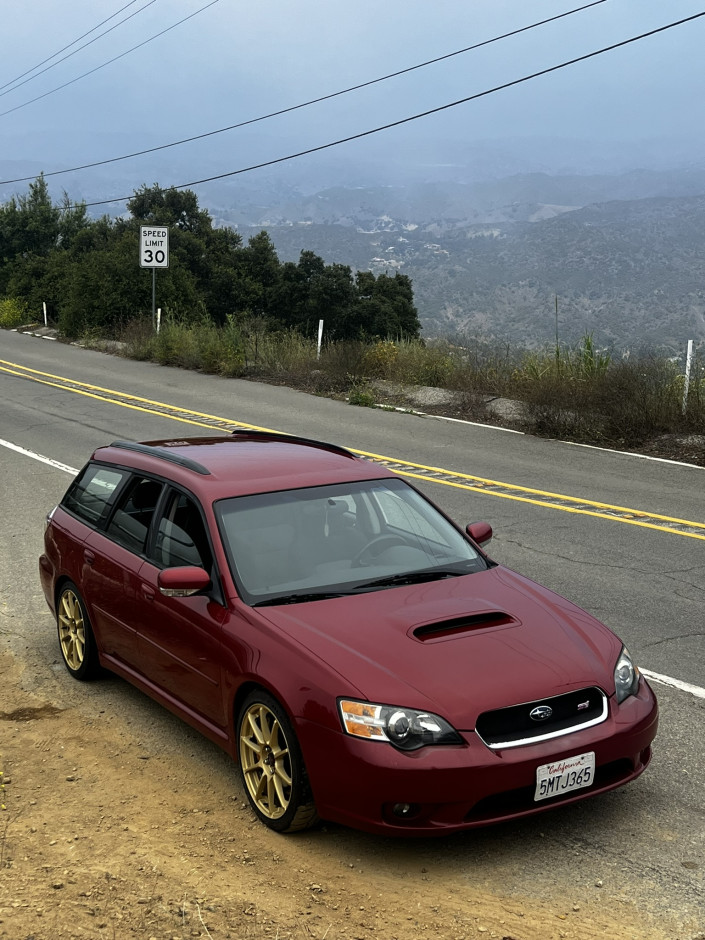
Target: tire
{"points": [[272, 767], [76, 639]]}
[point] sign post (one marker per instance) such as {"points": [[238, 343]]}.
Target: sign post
{"points": [[686, 383], [154, 253]]}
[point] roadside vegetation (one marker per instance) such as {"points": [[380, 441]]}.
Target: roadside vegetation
{"points": [[573, 393], [235, 310]]}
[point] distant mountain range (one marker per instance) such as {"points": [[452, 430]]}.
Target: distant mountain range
{"points": [[624, 255], [488, 250]]}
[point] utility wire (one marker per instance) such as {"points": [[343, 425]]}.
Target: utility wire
{"points": [[64, 48], [110, 61], [413, 117], [59, 61], [306, 104]]}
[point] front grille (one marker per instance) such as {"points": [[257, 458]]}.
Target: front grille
{"points": [[514, 726]]}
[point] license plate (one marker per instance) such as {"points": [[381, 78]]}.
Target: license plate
{"points": [[571, 773]]}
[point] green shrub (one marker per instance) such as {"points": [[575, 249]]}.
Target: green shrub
{"points": [[276, 352], [362, 397], [419, 364], [13, 312], [379, 359]]}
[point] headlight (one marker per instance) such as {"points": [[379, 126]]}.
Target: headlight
{"points": [[405, 728], [626, 676]]}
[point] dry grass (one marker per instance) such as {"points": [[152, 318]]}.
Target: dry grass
{"points": [[579, 393]]}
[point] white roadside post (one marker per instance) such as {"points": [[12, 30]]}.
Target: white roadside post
{"points": [[320, 337], [154, 253], [44, 306], [686, 384]]}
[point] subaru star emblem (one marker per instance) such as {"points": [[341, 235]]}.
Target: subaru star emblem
{"points": [[541, 712]]}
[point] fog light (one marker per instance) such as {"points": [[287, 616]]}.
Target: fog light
{"points": [[403, 809]]}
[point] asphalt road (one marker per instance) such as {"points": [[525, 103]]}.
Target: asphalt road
{"points": [[648, 584]]}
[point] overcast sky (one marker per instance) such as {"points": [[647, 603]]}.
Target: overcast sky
{"points": [[237, 60]]}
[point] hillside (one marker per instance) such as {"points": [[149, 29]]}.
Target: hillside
{"points": [[632, 271], [488, 248]]}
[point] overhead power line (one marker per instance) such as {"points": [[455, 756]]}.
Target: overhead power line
{"points": [[312, 101], [68, 46], [18, 84], [413, 117], [110, 61]]}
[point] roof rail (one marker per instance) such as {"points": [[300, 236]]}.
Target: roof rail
{"points": [[292, 438], [152, 451]]}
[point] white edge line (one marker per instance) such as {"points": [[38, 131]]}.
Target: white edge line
{"points": [[423, 414], [38, 335], [628, 453], [30, 453], [497, 427], [675, 683]]}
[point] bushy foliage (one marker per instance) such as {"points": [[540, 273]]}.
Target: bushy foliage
{"points": [[13, 312], [381, 358], [87, 272]]}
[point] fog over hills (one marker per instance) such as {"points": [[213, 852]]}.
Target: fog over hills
{"points": [[624, 254], [491, 233]]}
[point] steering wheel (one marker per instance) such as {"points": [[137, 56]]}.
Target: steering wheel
{"points": [[379, 542]]}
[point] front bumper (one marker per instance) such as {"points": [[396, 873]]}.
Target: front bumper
{"points": [[451, 788]]}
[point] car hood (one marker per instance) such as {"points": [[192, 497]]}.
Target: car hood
{"points": [[458, 646]]}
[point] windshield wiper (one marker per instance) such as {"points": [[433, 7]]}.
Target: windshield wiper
{"points": [[411, 577], [301, 598]]}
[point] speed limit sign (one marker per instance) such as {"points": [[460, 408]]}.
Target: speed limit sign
{"points": [[154, 246]]}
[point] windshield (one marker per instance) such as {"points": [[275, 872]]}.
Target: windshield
{"points": [[345, 538]]}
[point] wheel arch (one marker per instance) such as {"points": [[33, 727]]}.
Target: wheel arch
{"points": [[241, 693], [60, 582]]}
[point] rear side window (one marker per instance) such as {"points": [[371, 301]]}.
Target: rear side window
{"points": [[132, 518], [93, 492]]}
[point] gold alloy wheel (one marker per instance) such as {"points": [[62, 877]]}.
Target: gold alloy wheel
{"points": [[72, 630], [265, 760]]}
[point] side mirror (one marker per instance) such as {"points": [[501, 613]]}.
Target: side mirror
{"points": [[480, 532], [183, 582]]}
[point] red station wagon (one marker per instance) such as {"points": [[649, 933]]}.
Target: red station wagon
{"points": [[358, 654]]}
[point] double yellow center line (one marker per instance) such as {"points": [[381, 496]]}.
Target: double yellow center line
{"points": [[683, 527]]}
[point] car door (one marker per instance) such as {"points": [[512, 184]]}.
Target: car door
{"points": [[181, 637], [112, 561]]}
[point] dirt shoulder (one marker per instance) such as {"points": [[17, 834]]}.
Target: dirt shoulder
{"points": [[104, 835]]}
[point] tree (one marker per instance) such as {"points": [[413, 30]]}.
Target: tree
{"points": [[29, 224], [386, 306], [32, 230], [258, 277], [173, 207], [87, 271]]}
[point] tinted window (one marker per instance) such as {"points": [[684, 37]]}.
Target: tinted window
{"points": [[93, 492], [181, 536], [131, 520]]}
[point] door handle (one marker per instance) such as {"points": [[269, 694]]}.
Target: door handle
{"points": [[148, 592], [89, 557]]}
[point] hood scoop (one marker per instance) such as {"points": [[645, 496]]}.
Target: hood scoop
{"points": [[459, 626]]}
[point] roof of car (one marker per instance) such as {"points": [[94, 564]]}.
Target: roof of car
{"points": [[243, 462]]}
